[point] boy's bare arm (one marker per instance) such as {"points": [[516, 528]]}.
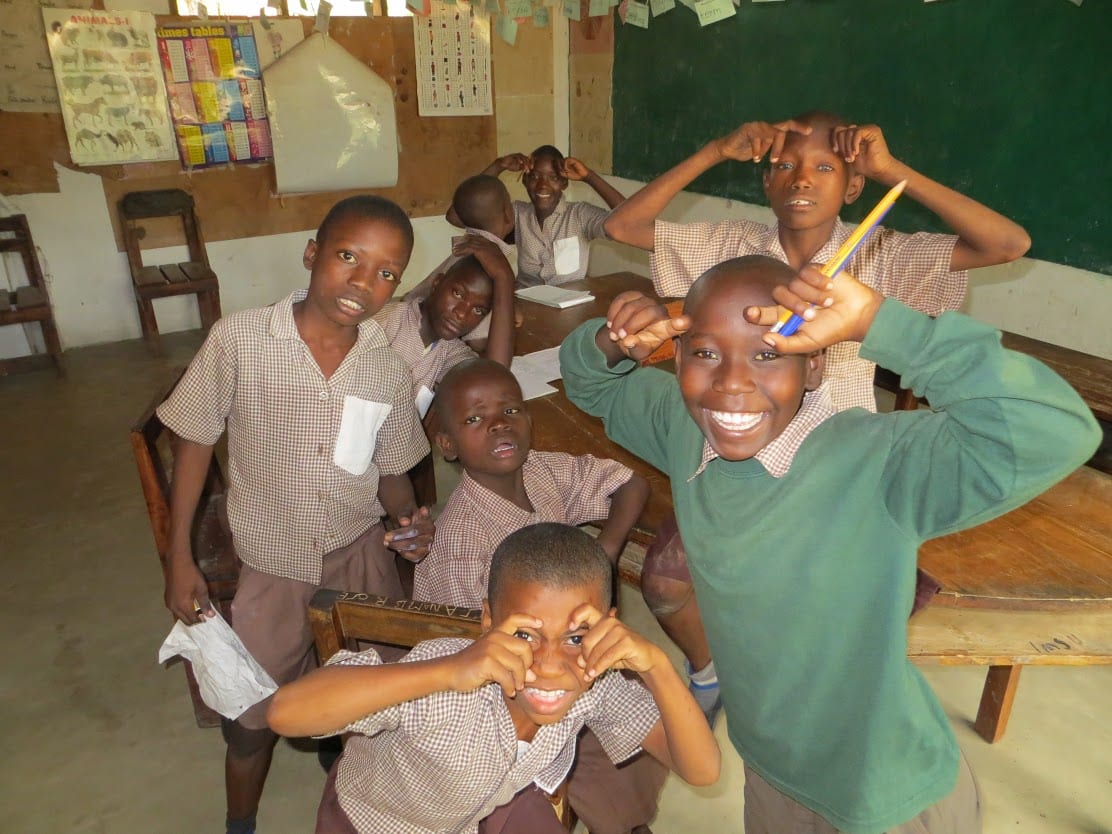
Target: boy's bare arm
{"points": [[333, 697], [985, 237], [626, 504], [576, 170], [681, 739], [413, 535], [633, 222], [499, 344], [184, 581]]}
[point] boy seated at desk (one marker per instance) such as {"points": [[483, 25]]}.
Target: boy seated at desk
{"points": [[506, 486], [460, 729], [428, 333], [553, 236], [482, 206], [803, 524]]}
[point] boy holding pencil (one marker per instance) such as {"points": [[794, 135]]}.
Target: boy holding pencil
{"points": [[816, 164], [803, 523]]}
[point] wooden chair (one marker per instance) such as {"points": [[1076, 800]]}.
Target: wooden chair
{"points": [[340, 620], [27, 303], [153, 445], [192, 277]]}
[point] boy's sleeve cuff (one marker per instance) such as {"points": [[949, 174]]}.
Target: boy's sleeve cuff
{"points": [[897, 336]]}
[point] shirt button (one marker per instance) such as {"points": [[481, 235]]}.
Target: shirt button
{"points": [[323, 396]]}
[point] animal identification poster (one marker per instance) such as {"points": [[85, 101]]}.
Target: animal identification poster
{"points": [[452, 48], [216, 91], [111, 92]]}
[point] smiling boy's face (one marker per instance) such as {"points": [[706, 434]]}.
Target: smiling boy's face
{"points": [[556, 646], [545, 183], [739, 391]]}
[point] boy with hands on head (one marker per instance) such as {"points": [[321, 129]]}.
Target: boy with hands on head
{"points": [[460, 729], [803, 523]]}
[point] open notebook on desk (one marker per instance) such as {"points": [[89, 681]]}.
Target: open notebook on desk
{"points": [[554, 296]]}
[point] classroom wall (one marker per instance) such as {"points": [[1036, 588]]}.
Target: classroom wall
{"points": [[89, 280]]}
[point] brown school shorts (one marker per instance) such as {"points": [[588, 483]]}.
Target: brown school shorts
{"points": [[269, 613]]}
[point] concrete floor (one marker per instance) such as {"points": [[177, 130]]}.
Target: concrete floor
{"points": [[100, 738]]}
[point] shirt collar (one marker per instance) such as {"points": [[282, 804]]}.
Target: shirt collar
{"points": [[778, 455], [769, 241], [282, 325]]}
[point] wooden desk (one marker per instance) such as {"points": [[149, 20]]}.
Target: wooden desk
{"points": [[1031, 587], [560, 426]]}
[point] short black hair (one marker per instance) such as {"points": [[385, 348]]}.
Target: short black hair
{"points": [[548, 150], [551, 555], [468, 264], [464, 372], [480, 200], [757, 268], [370, 207]]}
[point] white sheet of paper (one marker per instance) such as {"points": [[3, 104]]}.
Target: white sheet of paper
{"points": [[229, 678], [355, 445], [532, 386], [543, 365]]}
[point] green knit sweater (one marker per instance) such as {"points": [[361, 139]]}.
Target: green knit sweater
{"points": [[805, 582]]}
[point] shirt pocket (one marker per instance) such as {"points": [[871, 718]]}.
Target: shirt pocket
{"points": [[565, 255], [359, 425]]}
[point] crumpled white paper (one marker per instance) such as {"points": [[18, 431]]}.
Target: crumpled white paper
{"points": [[229, 678]]}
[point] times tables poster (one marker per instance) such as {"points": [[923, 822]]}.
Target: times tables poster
{"points": [[215, 88]]}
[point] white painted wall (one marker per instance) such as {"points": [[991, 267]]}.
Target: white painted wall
{"points": [[93, 301]]}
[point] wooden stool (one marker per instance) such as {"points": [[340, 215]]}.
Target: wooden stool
{"points": [[192, 277], [29, 303]]}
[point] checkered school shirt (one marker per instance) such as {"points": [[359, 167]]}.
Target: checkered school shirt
{"points": [[535, 243], [401, 322], [444, 762], [288, 503], [914, 269], [778, 455], [422, 290], [564, 488]]}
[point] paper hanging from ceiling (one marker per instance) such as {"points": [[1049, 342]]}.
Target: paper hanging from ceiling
{"points": [[332, 120], [452, 49]]}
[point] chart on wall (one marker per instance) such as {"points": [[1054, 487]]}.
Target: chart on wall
{"points": [[111, 92], [216, 92], [452, 48]]}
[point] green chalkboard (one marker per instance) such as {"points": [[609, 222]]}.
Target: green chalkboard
{"points": [[1008, 101]]}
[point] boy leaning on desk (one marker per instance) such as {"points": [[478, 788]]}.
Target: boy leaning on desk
{"points": [[803, 524]]}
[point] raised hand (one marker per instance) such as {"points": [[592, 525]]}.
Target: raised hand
{"points": [[574, 169], [640, 324], [610, 644], [751, 141], [497, 657], [833, 310], [863, 147]]}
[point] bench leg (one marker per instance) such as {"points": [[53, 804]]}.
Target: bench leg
{"points": [[996, 702]]}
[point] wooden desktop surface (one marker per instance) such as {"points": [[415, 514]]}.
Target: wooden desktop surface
{"points": [[1053, 552]]}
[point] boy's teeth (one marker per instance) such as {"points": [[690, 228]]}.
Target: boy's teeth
{"points": [[552, 695], [351, 305], [736, 421]]}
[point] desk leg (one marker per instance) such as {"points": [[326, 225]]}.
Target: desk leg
{"points": [[996, 702]]}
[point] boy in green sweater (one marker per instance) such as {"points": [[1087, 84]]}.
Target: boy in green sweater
{"points": [[802, 525]]}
